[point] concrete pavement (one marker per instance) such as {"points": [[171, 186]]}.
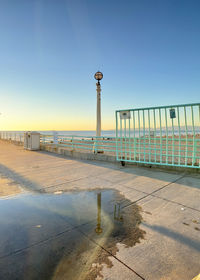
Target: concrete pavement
{"points": [[169, 203]]}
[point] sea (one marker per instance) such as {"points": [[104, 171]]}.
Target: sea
{"points": [[106, 133]]}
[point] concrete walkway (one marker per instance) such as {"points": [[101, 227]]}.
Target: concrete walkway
{"points": [[170, 204]]}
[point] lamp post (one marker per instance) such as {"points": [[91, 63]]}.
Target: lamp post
{"points": [[98, 76]]}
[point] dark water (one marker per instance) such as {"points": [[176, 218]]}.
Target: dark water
{"points": [[63, 236]]}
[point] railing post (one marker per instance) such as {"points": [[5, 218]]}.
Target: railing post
{"points": [[194, 152], [72, 142], [55, 138]]}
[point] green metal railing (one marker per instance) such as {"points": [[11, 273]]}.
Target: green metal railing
{"points": [[166, 135]]}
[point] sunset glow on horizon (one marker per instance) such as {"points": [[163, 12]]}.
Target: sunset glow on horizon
{"points": [[148, 52]]}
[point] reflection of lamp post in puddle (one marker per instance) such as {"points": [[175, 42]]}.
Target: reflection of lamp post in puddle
{"points": [[117, 214], [98, 228]]}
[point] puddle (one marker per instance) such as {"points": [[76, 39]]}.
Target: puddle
{"points": [[65, 236]]}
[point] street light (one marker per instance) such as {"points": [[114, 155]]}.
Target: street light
{"points": [[98, 76]]}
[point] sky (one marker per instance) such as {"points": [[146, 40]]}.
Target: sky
{"points": [[148, 51]]}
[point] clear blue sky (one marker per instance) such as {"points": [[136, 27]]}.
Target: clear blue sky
{"points": [[148, 51]]}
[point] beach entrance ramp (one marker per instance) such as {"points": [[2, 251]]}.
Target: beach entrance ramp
{"points": [[165, 135]]}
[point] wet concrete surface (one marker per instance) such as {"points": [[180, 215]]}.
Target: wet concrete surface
{"points": [[65, 235]]}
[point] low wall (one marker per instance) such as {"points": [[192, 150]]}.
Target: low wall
{"points": [[15, 142], [76, 154]]}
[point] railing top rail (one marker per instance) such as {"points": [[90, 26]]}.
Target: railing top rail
{"points": [[77, 136], [159, 107]]}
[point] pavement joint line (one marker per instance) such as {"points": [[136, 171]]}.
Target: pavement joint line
{"points": [[49, 238], [52, 186], [56, 185], [176, 203], [69, 181], [36, 243], [147, 194], [121, 183], [131, 269], [77, 228], [181, 177], [150, 194], [35, 169]]}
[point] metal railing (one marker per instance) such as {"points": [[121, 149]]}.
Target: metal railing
{"points": [[166, 135], [79, 143], [72, 142], [16, 136]]}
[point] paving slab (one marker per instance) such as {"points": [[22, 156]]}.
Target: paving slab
{"points": [[185, 191], [171, 247], [148, 183], [117, 271]]}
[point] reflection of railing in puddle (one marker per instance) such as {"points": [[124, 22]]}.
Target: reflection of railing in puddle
{"points": [[117, 214]]}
